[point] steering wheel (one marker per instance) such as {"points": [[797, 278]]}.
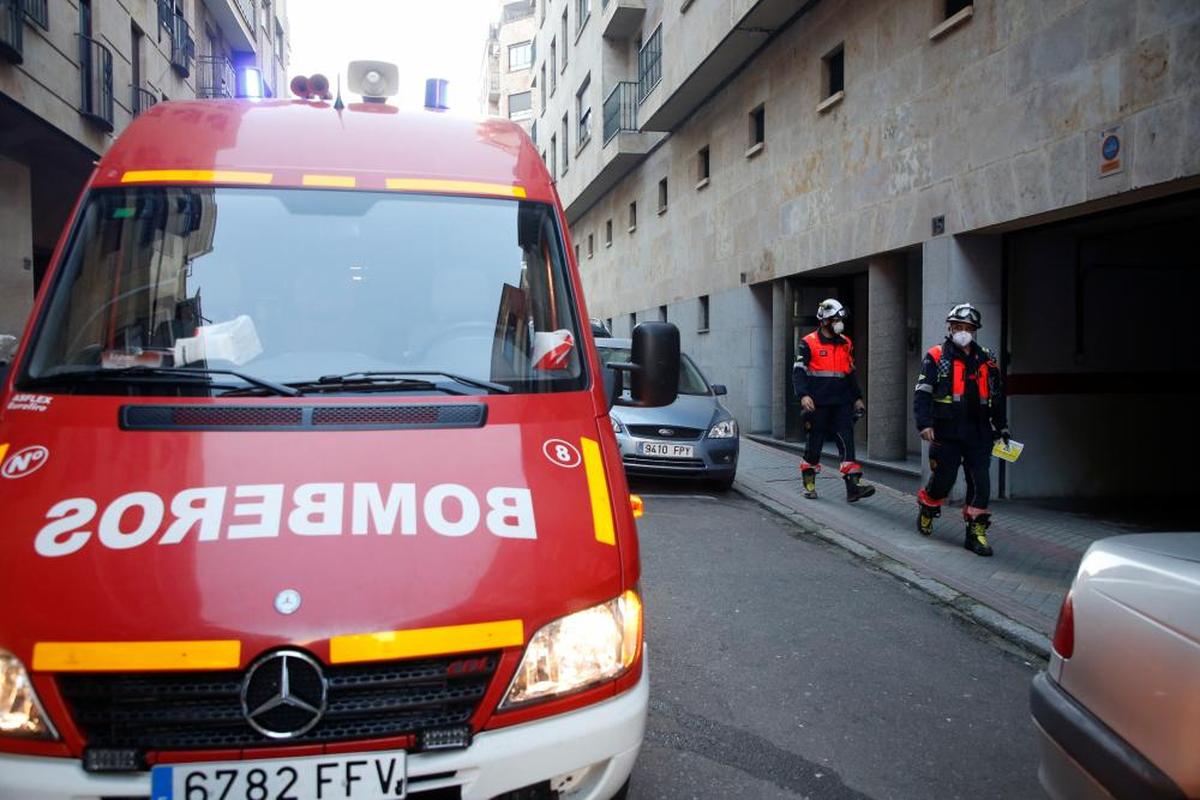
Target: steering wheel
{"points": [[459, 330]]}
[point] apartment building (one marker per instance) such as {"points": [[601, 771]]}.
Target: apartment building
{"points": [[73, 73], [508, 65], [1039, 158]]}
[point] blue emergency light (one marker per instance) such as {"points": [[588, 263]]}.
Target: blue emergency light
{"points": [[435, 94], [250, 82]]}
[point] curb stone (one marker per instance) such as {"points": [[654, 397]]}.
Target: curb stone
{"points": [[994, 621]]}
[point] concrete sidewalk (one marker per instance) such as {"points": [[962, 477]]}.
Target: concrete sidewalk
{"points": [[1016, 592]]}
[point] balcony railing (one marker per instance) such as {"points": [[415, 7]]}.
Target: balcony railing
{"points": [[38, 11], [96, 81], [183, 47], [620, 109], [12, 31], [215, 77], [142, 99], [246, 9], [650, 64]]}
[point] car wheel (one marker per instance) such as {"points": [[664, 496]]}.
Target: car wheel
{"points": [[723, 484]]}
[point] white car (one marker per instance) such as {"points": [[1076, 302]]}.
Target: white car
{"points": [[1118, 708]]}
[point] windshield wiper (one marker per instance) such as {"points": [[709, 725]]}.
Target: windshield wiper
{"points": [[354, 382], [476, 383], [137, 372]]}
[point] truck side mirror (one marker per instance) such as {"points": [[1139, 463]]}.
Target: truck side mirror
{"points": [[656, 355], [653, 368]]}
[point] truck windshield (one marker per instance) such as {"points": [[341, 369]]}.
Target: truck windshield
{"points": [[291, 285]]}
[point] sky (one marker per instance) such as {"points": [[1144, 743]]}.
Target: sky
{"points": [[424, 38]]}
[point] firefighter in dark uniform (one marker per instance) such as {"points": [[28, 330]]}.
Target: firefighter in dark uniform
{"points": [[959, 410], [824, 379]]}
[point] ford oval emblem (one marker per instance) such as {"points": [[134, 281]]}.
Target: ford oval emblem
{"points": [[666, 431], [287, 601]]}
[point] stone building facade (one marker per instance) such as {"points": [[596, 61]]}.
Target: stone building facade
{"points": [[508, 65], [1040, 158], [73, 73]]}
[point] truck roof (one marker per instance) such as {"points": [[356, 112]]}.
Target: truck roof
{"points": [[368, 146]]}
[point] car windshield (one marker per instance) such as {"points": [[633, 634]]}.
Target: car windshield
{"points": [[289, 285], [690, 379]]}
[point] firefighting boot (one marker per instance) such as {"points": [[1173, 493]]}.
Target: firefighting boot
{"points": [[855, 489], [925, 517], [976, 540], [810, 483]]}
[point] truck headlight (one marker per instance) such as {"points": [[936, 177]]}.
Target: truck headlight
{"points": [[20, 712], [579, 650], [725, 429]]}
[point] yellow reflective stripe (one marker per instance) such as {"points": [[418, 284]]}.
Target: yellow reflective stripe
{"points": [[195, 176], [332, 181], [942, 400], [602, 517], [149, 656], [3, 450], [387, 645], [454, 187]]}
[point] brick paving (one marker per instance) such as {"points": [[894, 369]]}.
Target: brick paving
{"points": [[1036, 549]]}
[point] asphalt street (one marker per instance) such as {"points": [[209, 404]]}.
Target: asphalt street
{"points": [[782, 667]]}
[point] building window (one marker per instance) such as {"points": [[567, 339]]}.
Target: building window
{"points": [[583, 112], [564, 39], [533, 133], [955, 6], [583, 10], [576, 254], [662, 313], [520, 105], [703, 320], [608, 323], [650, 64], [702, 166], [633, 216], [662, 196], [758, 131], [542, 86], [542, 10], [566, 138], [834, 70], [520, 56], [38, 12], [553, 62], [591, 245], [608, 233], [553, 155]]}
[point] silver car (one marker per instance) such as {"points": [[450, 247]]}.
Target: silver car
{"points": [[694, 437], [1118, 708]]}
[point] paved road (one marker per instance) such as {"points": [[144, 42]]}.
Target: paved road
{"points": [[782, 667]]}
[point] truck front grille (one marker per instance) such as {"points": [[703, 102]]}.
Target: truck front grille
{"points": [[201, 710]]}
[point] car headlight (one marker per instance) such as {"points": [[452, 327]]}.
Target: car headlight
{"points": [[725, 429], [616, 423], [20, 712], [579, 650]]}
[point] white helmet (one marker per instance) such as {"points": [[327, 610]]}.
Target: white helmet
{"points": [[965, 312], [830, 309]]}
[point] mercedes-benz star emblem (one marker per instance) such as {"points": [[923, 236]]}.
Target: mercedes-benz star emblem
{"points": [[283, 694], [287, 601]]}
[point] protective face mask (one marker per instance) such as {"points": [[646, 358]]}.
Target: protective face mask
{"points": [[962, 338], [838, 327]]}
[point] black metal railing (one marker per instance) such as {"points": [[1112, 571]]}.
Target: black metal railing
{"points": [[12, 31], [650, 64], [620, 109], [38, 11], [142, 99], [183, 47], [96, 81], [215, 77]]}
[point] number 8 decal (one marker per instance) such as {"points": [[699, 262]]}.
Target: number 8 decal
{"points": [[561, 453]]}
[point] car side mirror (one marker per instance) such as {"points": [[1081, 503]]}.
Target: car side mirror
{"points": [[653, 368], [719, 388]]}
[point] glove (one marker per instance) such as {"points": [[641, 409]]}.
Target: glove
{"points": [[1005, 435]]}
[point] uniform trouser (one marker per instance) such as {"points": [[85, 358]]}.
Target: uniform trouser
{"points": [[826, 421], [945, 457]]}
